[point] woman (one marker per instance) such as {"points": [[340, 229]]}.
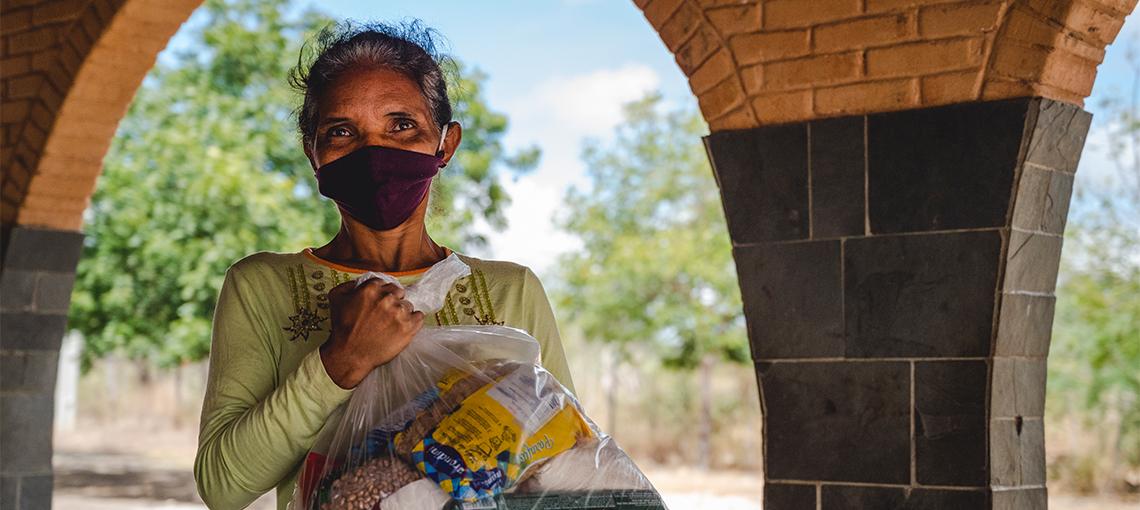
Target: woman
{"points": [[292, 335]]}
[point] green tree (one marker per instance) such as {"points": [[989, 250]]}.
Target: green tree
{"points": [[1094, 363], [207, 167], [656, 267]]}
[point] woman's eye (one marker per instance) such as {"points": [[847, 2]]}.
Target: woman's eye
{"points": [[404, 124], [340, 131]]}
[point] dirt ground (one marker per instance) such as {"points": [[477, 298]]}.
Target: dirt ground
{"points": [[88, 480]]}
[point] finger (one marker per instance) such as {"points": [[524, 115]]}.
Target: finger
{"points": [[407, 306], [342, 289], [371, 287], [393, 289]]}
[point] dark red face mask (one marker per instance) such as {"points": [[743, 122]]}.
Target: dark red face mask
{"points": [[380, 186]]}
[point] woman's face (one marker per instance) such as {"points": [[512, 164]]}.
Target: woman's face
{"points": [[375, 106]]}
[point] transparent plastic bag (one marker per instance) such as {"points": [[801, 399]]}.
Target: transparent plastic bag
{"points": [[465, 418]]}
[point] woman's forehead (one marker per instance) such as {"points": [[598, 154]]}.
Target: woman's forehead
{"points": [[372, 91]]}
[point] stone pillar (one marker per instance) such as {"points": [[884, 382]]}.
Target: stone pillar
{"points": [[35, 291], [897, 271]]}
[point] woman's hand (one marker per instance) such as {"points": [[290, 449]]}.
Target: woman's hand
{"points": [[371, 324]]}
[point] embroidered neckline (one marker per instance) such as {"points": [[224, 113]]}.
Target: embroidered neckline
{"points": [[308, 253]]}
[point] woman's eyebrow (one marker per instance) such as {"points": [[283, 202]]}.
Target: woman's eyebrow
{"points": [[401, 114], [331, 120]]}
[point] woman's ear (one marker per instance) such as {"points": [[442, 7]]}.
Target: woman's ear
{"points": [[309, 154], [451, 140]]}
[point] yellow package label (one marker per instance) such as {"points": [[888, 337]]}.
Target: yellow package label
{"points": [[484, 446]]}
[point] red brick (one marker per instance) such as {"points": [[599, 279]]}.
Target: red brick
{"points": [[783, 107], [1098, 25], [811, 71], [32, 40], [43, 60], [24, 86], [753, 78], [1069, 73], [924, 57], [659, 10], [1027, 27], [798, 13], [15, 20], [1017, 61], [957, 87], [13, 112], [864, 32], [58, 10], [877, 96], [720, 99], [80, 183], [877, 6], [680, 26], [964, 19], [14, 66], [739, 118], [708, 4], [768, 46], [699, 47], [713, 71], [735, 19]]}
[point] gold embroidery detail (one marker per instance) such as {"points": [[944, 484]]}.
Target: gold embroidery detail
{"points": [[304, 322]]}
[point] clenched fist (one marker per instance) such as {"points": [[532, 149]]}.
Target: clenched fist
{"points": [[370, 324]]}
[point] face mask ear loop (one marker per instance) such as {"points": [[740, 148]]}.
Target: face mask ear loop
{"points": [[442, 137]]}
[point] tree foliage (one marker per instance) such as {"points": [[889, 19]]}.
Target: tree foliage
{"points": [[656, 267], [207, 167]]}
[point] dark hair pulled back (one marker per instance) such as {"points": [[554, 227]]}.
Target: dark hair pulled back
{"points": [[405, 47]]}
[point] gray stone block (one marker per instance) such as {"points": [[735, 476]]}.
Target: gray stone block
{"points": [[43, 249], [1018, 387], [793, 296], [1032, 262], [28, 371], [950, 423], [1025, 326], [898, 498], [836, 421], [1042, 200], [944, 168], [35, 492], [31, 331], [53, 292], [838, 172], [17, 289], [25, 437], [929, 295], [1021, 499], [1058, 135], [1005, 453], [1033, 452], [9, 491], [782, 496], [763, 178]]}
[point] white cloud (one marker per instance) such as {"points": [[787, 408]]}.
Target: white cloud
{"points": [[585, 104], [558, 116]]}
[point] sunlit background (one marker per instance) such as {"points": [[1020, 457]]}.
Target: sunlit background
{"points": [[564, 96]]}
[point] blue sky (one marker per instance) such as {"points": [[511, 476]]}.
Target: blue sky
{"points": [[560, 70]]}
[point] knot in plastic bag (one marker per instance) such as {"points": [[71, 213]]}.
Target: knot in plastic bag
{"points": [[429, 292]]}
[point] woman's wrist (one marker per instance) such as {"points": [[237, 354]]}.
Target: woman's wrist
{"points": [[343, 370]]}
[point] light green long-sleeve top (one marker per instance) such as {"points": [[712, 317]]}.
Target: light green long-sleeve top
{"points": [[268, 394]]}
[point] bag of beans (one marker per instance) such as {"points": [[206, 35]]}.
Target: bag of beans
{"points": [[466, 418]]}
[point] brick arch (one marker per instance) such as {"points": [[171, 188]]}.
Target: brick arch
{"points": [[753, 63], [87, 60], [813, 113]]}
